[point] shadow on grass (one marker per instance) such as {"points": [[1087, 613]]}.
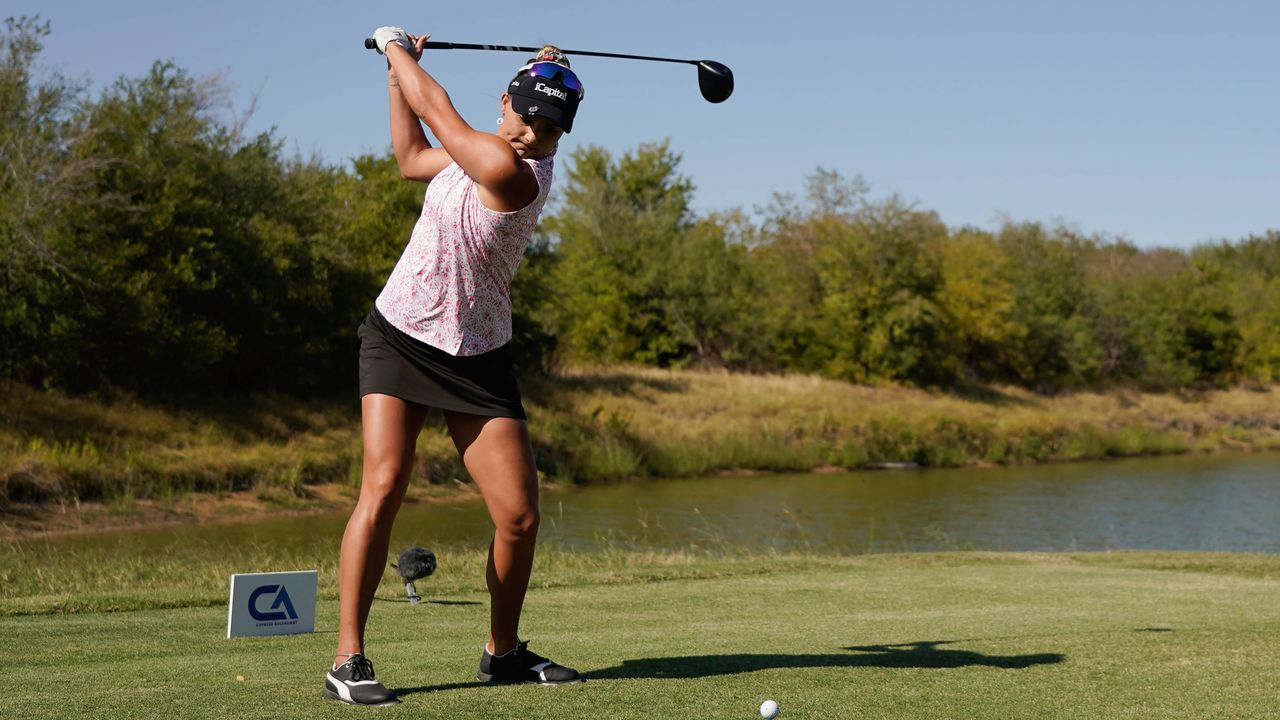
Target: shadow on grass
{"points": [[441, 688], [405, 601], [619, 383], [927, 654]]}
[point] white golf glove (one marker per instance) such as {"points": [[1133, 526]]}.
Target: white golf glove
{"points": [[384, 35]]}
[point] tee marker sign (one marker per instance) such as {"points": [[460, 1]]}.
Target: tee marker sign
{"points": [[282, 603]]}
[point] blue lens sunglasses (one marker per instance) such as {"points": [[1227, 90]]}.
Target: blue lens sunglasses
{"points": [[549, 70]]}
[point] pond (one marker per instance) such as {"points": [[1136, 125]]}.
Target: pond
{"points": [[1212, 502]]}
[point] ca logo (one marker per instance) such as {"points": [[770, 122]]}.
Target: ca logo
{"points": [[282, 600]]}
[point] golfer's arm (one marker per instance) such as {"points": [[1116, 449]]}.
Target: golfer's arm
{"points": [[486, 158], [414, 154]]}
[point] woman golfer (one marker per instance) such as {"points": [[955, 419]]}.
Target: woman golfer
{"points": [[436, 338]]}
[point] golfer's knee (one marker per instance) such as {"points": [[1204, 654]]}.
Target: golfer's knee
{"points": [[381, 490], [520, 524]]}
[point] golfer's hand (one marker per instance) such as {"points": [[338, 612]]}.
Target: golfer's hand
{"points": [[417, 41], [389, 34]]}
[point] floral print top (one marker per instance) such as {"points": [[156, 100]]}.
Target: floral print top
{"points": [[451, 287]]}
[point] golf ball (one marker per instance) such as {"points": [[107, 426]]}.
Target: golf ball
{"points": [[768, 710]]}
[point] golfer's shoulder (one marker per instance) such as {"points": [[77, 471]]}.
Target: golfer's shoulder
{"points": [[491, 162], [543, 170]]}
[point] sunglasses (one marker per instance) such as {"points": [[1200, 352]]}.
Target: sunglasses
{"points": [[549, 71]]}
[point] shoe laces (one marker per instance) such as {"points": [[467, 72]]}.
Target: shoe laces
{"points": [[522, 648], [361, 668]]}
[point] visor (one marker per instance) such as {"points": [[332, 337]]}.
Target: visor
{"points": [[548, 89]]}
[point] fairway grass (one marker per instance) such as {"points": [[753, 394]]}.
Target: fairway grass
{"points": [[953, 635]]}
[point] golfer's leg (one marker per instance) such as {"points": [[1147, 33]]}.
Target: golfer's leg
{"points": [[391, 429], [499, 456]]}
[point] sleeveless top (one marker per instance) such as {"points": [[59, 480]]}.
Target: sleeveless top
{"points": [[451, 286]]}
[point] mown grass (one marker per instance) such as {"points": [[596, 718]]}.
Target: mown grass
{"points": [[605, 424], [68, 577], [972, 635]]}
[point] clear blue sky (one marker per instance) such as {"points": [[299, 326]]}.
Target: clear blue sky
{"points": [[1156, 121]]}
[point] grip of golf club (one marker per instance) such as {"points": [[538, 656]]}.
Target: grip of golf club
{"points": [[371, 44]]}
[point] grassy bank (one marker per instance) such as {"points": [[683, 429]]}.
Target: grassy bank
{"points": [[598, 424], [1128, 635]]}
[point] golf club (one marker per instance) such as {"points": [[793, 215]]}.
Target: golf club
{"points": [[714, 79]]}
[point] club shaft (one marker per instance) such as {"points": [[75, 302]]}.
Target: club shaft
{"points": [[432, 45]]}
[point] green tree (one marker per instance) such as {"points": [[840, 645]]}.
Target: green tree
{"points": [[852, 285], [977, 299], [784, 263], [1053, 304], [167, 263], [880, 277], [1209, 327], [40, 184], [710, 294], [533, 340], [1255, 302], [220, 264], [617, 228], [1136, 315]]}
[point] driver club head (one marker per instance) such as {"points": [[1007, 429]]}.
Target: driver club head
{"points": [[715, 81]]}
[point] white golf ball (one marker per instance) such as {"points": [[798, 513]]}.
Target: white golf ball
{"points": [[768, 710]]}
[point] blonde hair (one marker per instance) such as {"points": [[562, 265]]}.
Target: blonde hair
{"points": [[550, 53]]}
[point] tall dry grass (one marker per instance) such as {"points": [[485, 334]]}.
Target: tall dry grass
{"points": [[604, 424], [617, 422]]}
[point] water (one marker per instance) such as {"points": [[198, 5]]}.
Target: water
{"points": [[1222, 503]]}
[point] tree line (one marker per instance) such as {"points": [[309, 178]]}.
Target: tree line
{"points": [[832, 281], [148, 242]]}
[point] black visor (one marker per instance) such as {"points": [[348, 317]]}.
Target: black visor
{"points": [[555, 98]]}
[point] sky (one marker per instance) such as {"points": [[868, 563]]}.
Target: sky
{"points": [[1155, 122]]}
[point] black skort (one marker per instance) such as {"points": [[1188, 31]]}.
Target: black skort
{"points": [[392, 363]]}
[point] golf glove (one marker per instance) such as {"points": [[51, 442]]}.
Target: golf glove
{"points": [[384, 35]]}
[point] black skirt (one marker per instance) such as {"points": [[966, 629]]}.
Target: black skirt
{"points": [[392, 363]]}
